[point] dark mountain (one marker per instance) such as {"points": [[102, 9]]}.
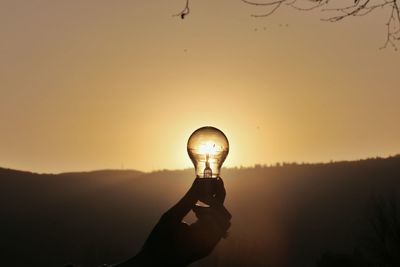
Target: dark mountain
{"points": [[287, 215]]}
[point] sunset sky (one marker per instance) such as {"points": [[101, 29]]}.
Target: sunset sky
{"points": [[101, 84]]}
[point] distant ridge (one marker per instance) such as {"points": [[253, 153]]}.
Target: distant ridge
{"points": [[4, 170], [300, 210], [103, 172]]}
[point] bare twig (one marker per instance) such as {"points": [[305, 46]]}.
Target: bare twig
{"points": [[185, 11], [277, 5], [393, 27], [318, 5], [358, 8], [273, 5], [264, 4], [347, 11]]}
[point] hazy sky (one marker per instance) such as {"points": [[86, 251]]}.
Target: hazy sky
{"points": [[95, 84]]}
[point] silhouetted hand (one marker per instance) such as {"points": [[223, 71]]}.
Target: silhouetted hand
{"points": [[175, 243]]}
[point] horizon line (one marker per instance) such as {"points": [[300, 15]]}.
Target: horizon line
{"points": [[255, 165]]}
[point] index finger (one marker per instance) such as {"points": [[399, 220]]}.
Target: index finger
{"points": [[220, 192], [184, 205]]}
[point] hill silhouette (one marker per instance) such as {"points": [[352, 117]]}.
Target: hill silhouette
{"points": [[286, 215]]}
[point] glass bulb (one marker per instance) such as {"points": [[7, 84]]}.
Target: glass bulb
{"points": [[207, 148]]}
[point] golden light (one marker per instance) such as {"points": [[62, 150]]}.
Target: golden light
{"points": [[207, 148]]}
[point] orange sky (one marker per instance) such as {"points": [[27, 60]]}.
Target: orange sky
{"points": [[97, 84]]}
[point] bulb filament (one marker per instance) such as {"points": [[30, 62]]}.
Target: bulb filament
{"points": [[207, 169]]}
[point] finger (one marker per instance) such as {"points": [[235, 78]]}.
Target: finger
{"points": [[200, 211], [215, 215], [217, 227], [220, 192], [223, 213], [184, 205], [217, 196], [220, 212], [195, 188]]}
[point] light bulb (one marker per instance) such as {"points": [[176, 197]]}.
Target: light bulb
{"points": [[207, 148]]}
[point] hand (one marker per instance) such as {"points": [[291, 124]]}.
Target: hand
{"points": [[175, 243]]}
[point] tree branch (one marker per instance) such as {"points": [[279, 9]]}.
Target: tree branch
{"points": [[185, 11], [358, 9]]}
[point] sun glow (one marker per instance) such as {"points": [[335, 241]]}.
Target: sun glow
{"points": [[208, 148]]}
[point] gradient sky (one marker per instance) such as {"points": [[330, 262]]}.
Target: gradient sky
{"points": [[99, 84]]}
